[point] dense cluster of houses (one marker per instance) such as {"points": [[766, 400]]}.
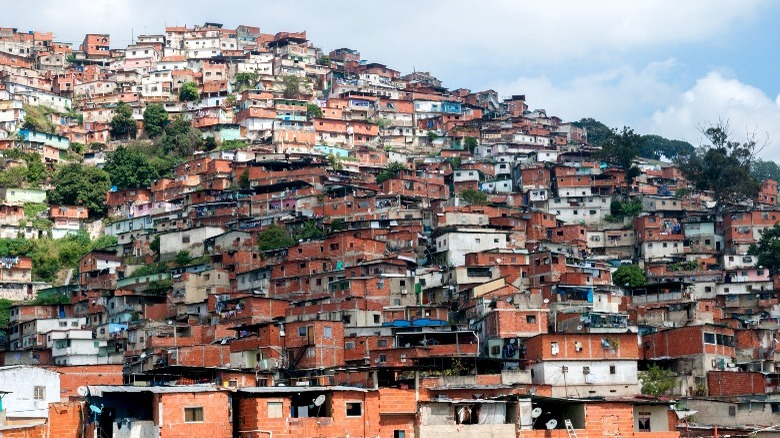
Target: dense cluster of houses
{"points": [[468, 292]]}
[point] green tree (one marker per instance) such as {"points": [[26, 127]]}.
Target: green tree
{"points": [[129, 168], [13, 177], [722, 167], [123, 126], [246, 81], [765, 169], [76, 184], [657, 147], [36, 170], [768, 249], [628, 276], [210, 143], [182, 258], [657, 381], [181, 138], [310, 231], [313, 111], [104, 241], [324, 60], [243, 180], [291, 87], [189, 92], [597, 132], [474, 197], [51, 299], [470, 143], [273, 238], [431, 136], [621, 147], [392, 170], [155, 119], [5, 307]]}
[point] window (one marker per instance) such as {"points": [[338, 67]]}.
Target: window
{"points": [[577, 346], [612, 370], [193, 414], [354, 409], [643, 420], [399, 434], [554, 348], [585, 370], [709, 338], [382, 358], [530, 319], [349, 345], [274, 409], [328, 332], [732, 411], [381, 343], [301, 331], [39, 393]]}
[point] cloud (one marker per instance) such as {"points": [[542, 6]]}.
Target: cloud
{"points": [[452, 39], [714, 97], [616, 96]]}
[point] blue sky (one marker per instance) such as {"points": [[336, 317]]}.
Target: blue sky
{"points": [[665, 66]]}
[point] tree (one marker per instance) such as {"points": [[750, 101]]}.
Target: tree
{"points": [[310, 231], [36, 170], [5, 307], [597, 132], [246, 80], [76, 184], [392, 170], [273, 238], [13, 177], [620, 147], [243, 180], [762, 170], [723, 167], [182, 258], [324, 60], [189, 92], [470, 143], [104, 241], [657, 381], [313, 111], [431, 136], [291, 87], [657, 147], [123, 126], [628, 276], [768, 249], [130, 169], [155, 119], [474, 197], [181, 138]]}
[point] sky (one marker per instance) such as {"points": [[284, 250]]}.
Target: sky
{"points": [[661, 67]]}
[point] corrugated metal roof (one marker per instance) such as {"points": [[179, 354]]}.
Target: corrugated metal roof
{"points": [[296, 389], [99, 390]]}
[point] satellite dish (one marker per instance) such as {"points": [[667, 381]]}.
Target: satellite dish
{"points": [[319, 400], [579, 327], [536, 412], [95, 409], [546, 301], [508, 299], [550, 425], [143, 355], [83, 391]]}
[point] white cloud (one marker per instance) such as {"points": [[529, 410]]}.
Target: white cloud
{"points": [[449, 38], [714, 97], [617, 97]]}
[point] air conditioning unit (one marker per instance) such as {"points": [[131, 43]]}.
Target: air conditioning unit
{"points": [[404, 291]]}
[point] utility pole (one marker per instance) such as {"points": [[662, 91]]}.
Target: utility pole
{"points": [[564, 370]]}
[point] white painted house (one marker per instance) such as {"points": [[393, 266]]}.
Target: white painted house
{"points": [[30, 390]]}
